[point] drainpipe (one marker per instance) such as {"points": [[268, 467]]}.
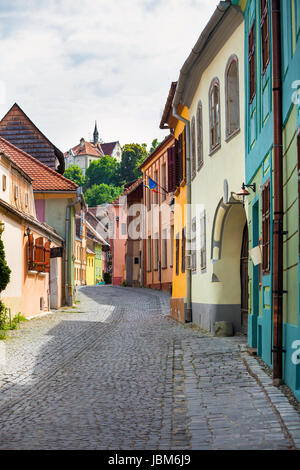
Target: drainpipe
{"points": [[278, 196], [68, 211], [188, 315]]}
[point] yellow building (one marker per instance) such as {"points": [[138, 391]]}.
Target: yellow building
{"points": [[90, 267], [180, 310]]}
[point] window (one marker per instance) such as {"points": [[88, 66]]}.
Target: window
{"points": [[16, 192], [3, 182], [172, 245], [203, 240], [298, 148], [266, 228], [177, 254], [171, 169], [148, 197], [232, 97], [183, 251], [164, 248], [193, 247], [26, 199], [164, 181], [199, 136], [156, 251], [156, 201], [252, 79], [264, 27], [193, 148], [214, 115], [149, 254]]}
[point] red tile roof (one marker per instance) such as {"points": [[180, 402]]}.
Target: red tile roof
{"points": [[108, 147], [17, 128], [87, 148], [44, 179]]}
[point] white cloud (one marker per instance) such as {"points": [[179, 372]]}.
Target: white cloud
{"points": [[67, 63]]}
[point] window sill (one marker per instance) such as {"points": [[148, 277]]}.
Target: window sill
{"points": [[200, 166], [232, 135], [32, 271], [214, 150]]}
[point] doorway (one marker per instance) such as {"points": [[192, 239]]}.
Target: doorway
{"points": [[244, 281]]}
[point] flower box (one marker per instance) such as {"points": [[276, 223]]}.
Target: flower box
{"points": [[41, 273], [31, 271]]}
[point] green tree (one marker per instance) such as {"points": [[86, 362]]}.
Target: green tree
{"points": [[101, 193], [154, 144], [74, 173], [4, 269], [132, 157], [105, 170]]}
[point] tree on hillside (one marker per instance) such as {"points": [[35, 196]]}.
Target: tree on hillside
{"points": [[132, 157], [105, 170], [101, 193], [74, 173]]}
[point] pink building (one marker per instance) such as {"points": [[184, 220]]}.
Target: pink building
{"points": [[118, 237]]}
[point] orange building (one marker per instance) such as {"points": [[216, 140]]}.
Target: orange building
{"points": [[158, 220], [33, 249]]}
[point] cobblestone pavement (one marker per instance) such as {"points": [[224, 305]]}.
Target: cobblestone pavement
{"points": [[117, 373]]}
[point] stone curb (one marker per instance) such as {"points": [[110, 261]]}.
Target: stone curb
{"points": [[289, 417]]}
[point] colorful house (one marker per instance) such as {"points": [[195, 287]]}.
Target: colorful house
{"points": [[272, 70], [208, 86], [158, 217], [32, 248], [99, 233], [80, 264], [180, 309], [134, 243], [56, 201], [117, 215]]}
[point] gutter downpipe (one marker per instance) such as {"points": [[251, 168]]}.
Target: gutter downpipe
{"points": [[278, 197], [68, 210], [188, 313]]}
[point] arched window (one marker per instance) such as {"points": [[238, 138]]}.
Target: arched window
{"points": [[199, 135], [232, 96], [193, 148], [214, 115]]}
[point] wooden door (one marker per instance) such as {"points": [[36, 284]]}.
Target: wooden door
{"points": [[244, 281]]}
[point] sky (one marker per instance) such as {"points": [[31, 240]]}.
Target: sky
{"points": [[68, 63]]}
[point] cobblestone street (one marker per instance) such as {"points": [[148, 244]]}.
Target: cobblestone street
{"points": [[117, 373]]}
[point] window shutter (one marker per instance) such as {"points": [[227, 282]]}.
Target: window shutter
{"points": [[183, 251], [47, 257], [39, 254], [171, 170], [266, 228], [180, 158], [30, 252]]}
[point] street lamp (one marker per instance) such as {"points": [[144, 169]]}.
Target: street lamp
{"points": [[243, 193]]}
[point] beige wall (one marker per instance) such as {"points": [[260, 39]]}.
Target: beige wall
{"points": [[207, 187]]}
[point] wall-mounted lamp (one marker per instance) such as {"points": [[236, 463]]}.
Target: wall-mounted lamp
{"points": [[27, 232], [244, 193], [2, 227]]}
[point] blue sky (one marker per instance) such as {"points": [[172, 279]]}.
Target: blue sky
{"points": [[69, 62]]}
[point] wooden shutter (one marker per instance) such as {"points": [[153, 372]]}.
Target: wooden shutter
{"points": [[177, 254], [171, 169], [180, 157], [30, 252], [298, 150], [39, 254], [183, 251], [264, 26], [252, 79], [47, 257], [266, 228]]}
